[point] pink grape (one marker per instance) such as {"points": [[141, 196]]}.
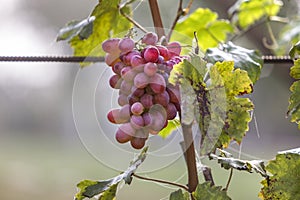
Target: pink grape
{"points": [[137, 121], [115, 116], [111, 59], [125, 111], [137, 142], [162, 98], [158, 120], [128, 74], [150, 38], [174, 94], [163, 51], [151, 54], [118, 67], [174, 48], [137, 60], [111, 45], [147, 100], [141, 80], [122, 137], [171, 111], [157, 83], [125, 87], [150, 69], [137, 108], [147, 119], [138, 92], [115, 81], [126, 57], [122, 100], [132, 99], [126, 45]]}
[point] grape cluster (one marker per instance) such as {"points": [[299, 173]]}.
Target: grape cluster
{"points": [[146, 98]]}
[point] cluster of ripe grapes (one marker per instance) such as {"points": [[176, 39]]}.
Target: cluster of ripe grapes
{"points": [[146, 98]]}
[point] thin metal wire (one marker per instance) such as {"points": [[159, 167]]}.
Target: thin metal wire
{"points": [[268, 59]]}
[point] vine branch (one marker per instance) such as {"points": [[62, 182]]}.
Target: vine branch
{"points": [[161, 181], [159, 28], [132, 20], [229, 179]]}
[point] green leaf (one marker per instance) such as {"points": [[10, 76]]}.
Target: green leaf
{"points": [[172, 125], [107, 188], [289, 35], [210, 31], [284, 183], [247, 12], [294, 101], [245, 59], [83, 28], [243, 165], [108, 23], [205, 191], [179, 195], [295, 50]]}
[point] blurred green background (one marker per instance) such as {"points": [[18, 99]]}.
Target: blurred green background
{"points": [[46, 149]]}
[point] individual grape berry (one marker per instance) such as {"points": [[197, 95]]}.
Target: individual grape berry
{"points": [[147, 100], [147, 119], [132, 99], [174, 49], [126, 45], [126, 57], [137, 121], [162, 98], [150, 38], [128, 74], [157, 83], [141, 80], [118, 67], [158, 120], [111, 45], [137, 142], [150, 69], [122, 100], [171, 111], [111, 59], [137, 108], [116, 117], [125, 87], [137, 60], [174, 94], [125, 111], [115, 81], [151, 54], [122, 137], [138, 92], [163, 51]]}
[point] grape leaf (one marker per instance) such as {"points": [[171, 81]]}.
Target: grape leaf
{"points": [[108, 23], [210, 31], [205, 191], [284, 183], [248, 60], [172, 125], [107, 188], [245, 165], [294, 101], [179, 195], [82, 28], [247, 12]]}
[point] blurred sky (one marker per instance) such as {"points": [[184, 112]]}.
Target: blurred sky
{"points": [[46, 148]]}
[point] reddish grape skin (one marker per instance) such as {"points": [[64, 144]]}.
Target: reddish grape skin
{"points": [[162, 98], [125, 87], [137, 60], [128, 74], [158, 120], [147, 100], [111, 45], [137, 108], [163, 51], [157, 83], [122, 100], [137, 142], [138, 92], [151, 54], [141, 80], [150, 69], [174, 49], [171, 111], [147, 119], [122, 137], [126, 45], [150, 38], [115, 117], [132, 99], [115, 81], [137, 121], [118, 67], [125, 111], [174, 94], [126, 57]]}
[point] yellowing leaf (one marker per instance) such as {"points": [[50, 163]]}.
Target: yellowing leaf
{"points": [[210, 31], [172, 125], [108, 23], [284, 183], [247, 12]]}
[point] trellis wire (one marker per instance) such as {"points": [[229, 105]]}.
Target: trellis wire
{"points": [[268, 59]]}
